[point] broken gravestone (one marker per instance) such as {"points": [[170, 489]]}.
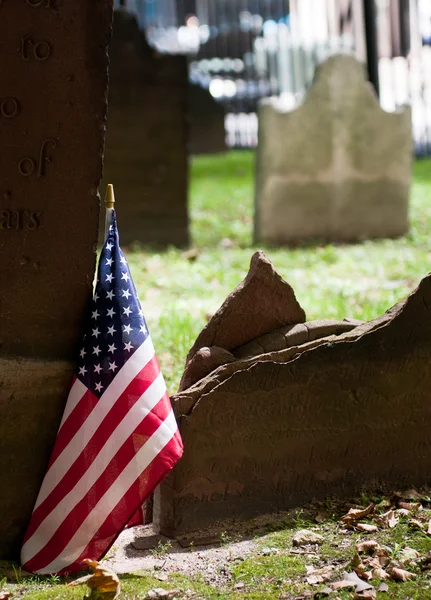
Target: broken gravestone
{"points": [[261, 303], [146, 141], [309, 418], [337, 168], [52, 118]]}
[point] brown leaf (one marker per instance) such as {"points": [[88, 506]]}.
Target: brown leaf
{"points": [[103, 583], [367, 594], [402, 512], [366, 527], [415, 524], [408, 555], [429, 528], [402, 575], [388, 520], [382, 555], [367, 546], [379, 573], [383, 587], [409, 506], [355, 514], [5, 595]]}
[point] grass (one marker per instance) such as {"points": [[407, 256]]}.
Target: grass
{"points": [[330, 281]]}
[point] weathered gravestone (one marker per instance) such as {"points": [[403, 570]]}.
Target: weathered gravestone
{"points": [[338, 167], [146, 142], [53, 65], [206, 122], [308, 411]]}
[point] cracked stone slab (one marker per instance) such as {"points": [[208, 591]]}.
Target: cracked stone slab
{"points": [[329, 417]]}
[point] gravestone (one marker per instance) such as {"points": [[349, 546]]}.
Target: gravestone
{"points": [[310, 411], [146, 142], [53, 65], [337, 168], [206, 122]]}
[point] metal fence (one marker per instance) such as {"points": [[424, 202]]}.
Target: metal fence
{"points": [[243, 50]]}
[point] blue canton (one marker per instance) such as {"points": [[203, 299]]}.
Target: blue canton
{"points": [[116, 326]]}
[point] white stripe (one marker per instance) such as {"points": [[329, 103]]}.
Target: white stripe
{"points": [[77, 391], [124, 377], [111, 498], [53, 520]]}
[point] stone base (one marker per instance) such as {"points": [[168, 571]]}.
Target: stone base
{"points": [[32, 399]]}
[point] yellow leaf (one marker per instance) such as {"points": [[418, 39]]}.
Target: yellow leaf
{"points": [[103, 583]]}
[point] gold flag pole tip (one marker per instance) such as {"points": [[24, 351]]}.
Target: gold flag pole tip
{"points": [[109, 196]]}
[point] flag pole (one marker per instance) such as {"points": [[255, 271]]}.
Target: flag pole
{"points": [[109, 206]]}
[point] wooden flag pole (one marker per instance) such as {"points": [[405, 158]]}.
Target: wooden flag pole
{"points": [[109, 206]]}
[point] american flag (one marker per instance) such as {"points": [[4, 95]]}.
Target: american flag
{"points": [[118, 437]]}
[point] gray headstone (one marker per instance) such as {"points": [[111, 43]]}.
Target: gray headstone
{"points": [[53, 65], [146, 142], [337, 168]]}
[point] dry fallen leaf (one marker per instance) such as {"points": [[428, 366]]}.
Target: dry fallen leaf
{"points": [[409, 506], [367, 546], [402, 575], [366, 527], [371, 593], [382, 555], [103, 583], [5, 595], [379, 573], [355, 514], [388, 520], [408, 555], [429, 528], [415, 524], [383, 587]]}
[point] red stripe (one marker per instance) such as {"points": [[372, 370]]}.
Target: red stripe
{"points": [[141, 488], [73, 423], [78, 514], [107, 426]]}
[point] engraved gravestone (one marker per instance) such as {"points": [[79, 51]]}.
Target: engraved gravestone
{"points": [[53, 66]]}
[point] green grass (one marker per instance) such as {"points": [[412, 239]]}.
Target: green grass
{"points": [[330, 281]]}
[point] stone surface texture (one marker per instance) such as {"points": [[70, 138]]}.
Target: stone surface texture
{"points": [[203, 362], [337, 168], [146, 143], [331, 416], [53, 65], [261, 303]]}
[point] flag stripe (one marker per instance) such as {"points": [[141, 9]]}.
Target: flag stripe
{"points": [[49, 519], [112, 497], [152, 476], [89, 457], [77, 391], [75, 420], [81, 438]]}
